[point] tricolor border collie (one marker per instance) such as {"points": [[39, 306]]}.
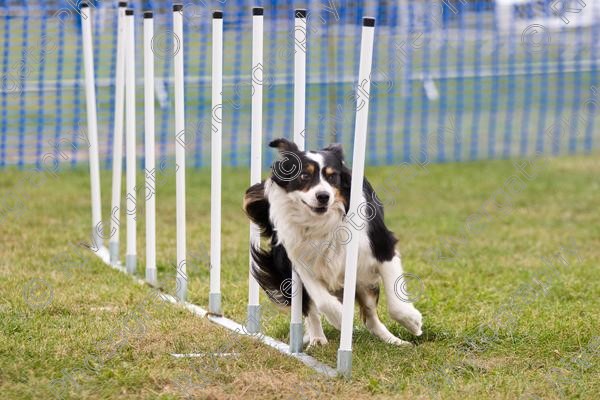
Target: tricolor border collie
{"points": [[302, 208]]}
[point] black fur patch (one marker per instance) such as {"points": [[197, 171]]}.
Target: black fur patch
{"points": [[383, 242], [256, 207]]}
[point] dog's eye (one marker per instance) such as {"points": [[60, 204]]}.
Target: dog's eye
{"points": [[305, 176], [335, 177]]}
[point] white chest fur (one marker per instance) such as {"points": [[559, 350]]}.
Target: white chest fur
{"points": [[316, 244]]}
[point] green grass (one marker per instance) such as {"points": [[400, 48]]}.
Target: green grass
{"points": [[539, 322]]}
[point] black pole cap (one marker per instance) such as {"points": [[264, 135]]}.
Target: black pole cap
{"points": [[300, 13], [368, 21], [84, 4], [177, 7], [218, 14], [148, 14], [129, 11], [258, 11], [123, 4]]}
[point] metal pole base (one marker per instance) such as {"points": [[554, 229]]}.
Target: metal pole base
{"points": [[181, 288], [296, 337], [253, 322], [151, 277], [214, 304], [131, 263], [113, 248], [344, 363]]}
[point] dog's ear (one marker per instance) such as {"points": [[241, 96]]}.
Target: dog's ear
{"points": [[282, 144], [336, 149]]}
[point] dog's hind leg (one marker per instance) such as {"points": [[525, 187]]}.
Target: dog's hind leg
{"points": [[314, 334], [367, 300], [400, 309]]}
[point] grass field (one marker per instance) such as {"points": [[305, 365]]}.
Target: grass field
{"points": [[510, 310]]}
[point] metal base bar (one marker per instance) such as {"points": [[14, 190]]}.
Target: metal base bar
{"points": [[181, 287], [113, 248], [151, 277], [296, 337], [253, 321], [214, 304], [344, 363], [131, 263]]}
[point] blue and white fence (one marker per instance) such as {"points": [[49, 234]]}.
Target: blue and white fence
{"points": [[453, 80]]}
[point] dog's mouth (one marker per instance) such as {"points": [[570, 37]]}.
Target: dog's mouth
{"points": [[318, 210]]}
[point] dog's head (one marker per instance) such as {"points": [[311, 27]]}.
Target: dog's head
{"points": [[318, 179]]}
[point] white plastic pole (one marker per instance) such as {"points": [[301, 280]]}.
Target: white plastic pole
{"points": [[131, 253], [150, 172], [253, 322], [300, 41], [117, 166], [214, 300], [344, 359], [181, 278], [92, 125]]}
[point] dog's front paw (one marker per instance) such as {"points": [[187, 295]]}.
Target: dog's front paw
{"points": [[314, 340], [411, 319], [317, 341], [413, 322]]}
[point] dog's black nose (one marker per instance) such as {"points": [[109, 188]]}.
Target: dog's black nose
{"points": [[323, 197]]}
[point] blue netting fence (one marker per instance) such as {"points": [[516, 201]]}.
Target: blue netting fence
{"points": [[453, 80]]}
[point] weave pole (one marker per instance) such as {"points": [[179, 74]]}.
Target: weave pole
{"points": [[150, 167], [344, 356], [117, 167], [300, 40], [181, 277], [131, 254], [214, 299], [253, 320], [92, 125]]}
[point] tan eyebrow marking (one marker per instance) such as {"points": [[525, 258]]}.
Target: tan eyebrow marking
{"points": [[310, 168], [329, 171]]}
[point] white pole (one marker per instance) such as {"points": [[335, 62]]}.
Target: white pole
{"points": [[117, 166], [300, 41], [181, 278], [253, 322], [92, 125], [131, 254], [214, 301], [344, 359], [150, 172]]}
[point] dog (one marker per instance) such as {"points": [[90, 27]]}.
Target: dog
{"points": [[302, 208]]}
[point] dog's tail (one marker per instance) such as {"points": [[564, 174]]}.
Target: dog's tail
{"points": [[272, 269], [256, 207]]}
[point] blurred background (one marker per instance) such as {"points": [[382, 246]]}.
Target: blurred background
{"points": [[453, 80]]}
